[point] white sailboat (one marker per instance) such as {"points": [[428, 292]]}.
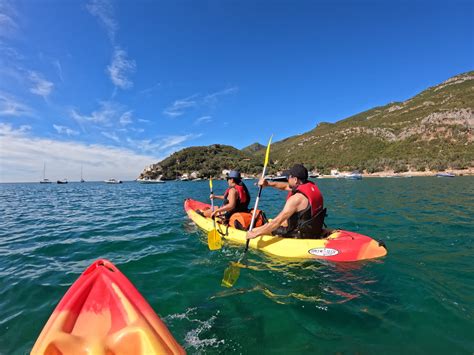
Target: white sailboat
{"points": [[45, 181], [82, 180]]}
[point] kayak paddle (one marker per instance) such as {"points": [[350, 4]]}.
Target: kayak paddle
{"points": [[231, 274], [214, 239]]}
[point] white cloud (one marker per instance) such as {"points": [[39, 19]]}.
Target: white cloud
{"points": [[10, 106], [59, 69], [161, 145], [8, 25], [111, 136], [179, 107], [120, 67], [42, 87], [203, 119], [22, 157], [211, 98], [126, 118], [65, 130], [149, 90], [8, 130], [104, 11], [104, 115]]}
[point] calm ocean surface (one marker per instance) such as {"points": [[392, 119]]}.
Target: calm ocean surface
{"points": [[419, 299]]}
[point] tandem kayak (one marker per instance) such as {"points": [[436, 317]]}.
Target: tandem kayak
{"points": [[103, 313], [339, 245]]}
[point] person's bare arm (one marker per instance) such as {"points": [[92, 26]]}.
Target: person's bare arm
{"points": [[232, 198], [275, 184], [291, 206]]}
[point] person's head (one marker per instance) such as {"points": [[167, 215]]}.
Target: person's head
{"points": [[297, 175], [234, 178]]}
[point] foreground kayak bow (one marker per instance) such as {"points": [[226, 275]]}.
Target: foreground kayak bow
{"points": [[103, 313]]}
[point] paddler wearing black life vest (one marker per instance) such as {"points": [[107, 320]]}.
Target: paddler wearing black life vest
{"points": [[303, 213], [236, 197]]}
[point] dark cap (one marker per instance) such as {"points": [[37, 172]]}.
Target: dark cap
{"points": [[234, 174], [298, 171]]}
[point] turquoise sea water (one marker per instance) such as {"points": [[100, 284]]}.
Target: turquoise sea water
{"points": [[418, 299]]}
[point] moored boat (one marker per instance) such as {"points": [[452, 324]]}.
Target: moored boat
{"points": [[113, 181], [451, 175], [45, 181], [355, 175], [63, 181], [150, 181], [338, 245]]}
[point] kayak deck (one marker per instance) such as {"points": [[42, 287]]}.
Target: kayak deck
{"points": [[340, 245], [103, 313]]}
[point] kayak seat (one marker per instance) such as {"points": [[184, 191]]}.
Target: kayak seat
{"points": [[310, 229], [313, 227]]}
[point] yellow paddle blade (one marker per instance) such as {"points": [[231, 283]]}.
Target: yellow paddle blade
{"points": [[231, 274], [214, 240], [210, 183], [267, 154]]}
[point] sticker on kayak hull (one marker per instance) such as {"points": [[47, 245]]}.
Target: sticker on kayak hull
{"points": [[323, 251]]}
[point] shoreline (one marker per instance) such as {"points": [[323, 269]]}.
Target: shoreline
{"points": [[391, 173]]}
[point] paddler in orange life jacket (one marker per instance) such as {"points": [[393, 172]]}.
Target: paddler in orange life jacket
{"points": [[236, 197], [303, 213]]}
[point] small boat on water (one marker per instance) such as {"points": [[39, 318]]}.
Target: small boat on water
{"points": [[45, 181], [82, 179], [355, 175], [113, 181], [451, 175], [63, 181], [150, 181]]}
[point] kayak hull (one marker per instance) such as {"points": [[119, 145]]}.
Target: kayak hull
{"points": [[103, 313], [340, 245]]}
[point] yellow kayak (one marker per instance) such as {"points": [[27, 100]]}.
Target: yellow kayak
{"points": [[340, 245]]}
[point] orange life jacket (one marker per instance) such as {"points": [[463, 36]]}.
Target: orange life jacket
{"points": [[242, 220]]}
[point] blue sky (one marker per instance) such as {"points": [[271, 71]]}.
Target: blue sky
{"points": [[114, 86]]}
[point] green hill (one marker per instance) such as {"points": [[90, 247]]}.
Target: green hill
{"points": [[254, 148], [433, 130], [203, 162]]}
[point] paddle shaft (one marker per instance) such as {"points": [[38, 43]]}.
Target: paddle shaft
{"points": [[255, 209], [212, 208]]}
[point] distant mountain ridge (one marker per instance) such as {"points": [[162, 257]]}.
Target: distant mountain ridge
{"points": [[432, 130], [253, 148]]}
